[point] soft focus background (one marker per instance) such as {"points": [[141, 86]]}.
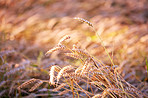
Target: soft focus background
{"points": [[28, 28]]}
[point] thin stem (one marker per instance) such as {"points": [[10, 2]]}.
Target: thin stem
{"points": [[103, 46]]}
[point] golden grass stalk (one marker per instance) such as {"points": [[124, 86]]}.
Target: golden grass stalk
{"points": [[62, 71], [90, 24], [55, 49], [52, 71], [63, 39], [82, 52], [75, 56], [73, 75], [86, 66]]}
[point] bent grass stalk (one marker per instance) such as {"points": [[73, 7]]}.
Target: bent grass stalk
{"points": [[104, 47], [90, 24]]}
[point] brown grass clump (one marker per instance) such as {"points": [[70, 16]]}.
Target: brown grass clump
{"points": [[92, 72]]}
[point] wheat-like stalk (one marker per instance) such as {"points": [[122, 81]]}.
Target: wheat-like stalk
{"points": [[84, 21], [63, 70], [85, 66], [73, 55], [36, 85], [63, 39], [52, 71], [27, 83], [95, 71], [75, 76], [82, 52], [55, 49], [90, 24]]}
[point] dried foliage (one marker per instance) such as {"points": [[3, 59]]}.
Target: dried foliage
{"points": [[102, 57]]}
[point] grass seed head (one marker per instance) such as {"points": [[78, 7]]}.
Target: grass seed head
{"points": [[52, 76], [73, 55], [63, 39], [62, 71], [84, 21], [82, 52], [55, 49]]}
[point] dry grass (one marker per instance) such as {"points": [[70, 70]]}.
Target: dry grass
{"points": [[103, 57], [112, 83]]}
